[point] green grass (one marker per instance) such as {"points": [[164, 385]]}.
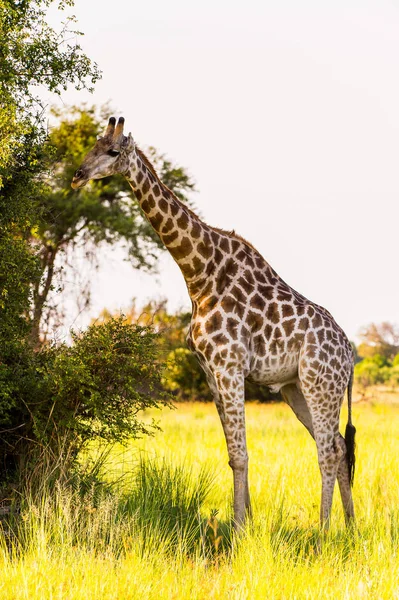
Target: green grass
{"points": [[148, 532]]}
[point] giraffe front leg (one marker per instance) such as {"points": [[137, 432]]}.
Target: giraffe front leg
{"points": [[229, 399]]}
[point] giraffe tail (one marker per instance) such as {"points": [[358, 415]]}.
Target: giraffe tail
{"points": [[350, 432]]}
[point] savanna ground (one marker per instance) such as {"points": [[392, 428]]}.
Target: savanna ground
{"points": [[160, 529]]}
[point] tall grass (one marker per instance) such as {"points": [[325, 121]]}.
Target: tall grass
{"points": [[151, 530]]}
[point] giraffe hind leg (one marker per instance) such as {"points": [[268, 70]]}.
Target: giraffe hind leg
{"points": [[293, 396]]}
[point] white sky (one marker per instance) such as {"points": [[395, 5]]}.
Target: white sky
{"points": [[286, 114]]}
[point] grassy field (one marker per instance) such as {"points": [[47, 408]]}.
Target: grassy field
{"points": [[153, 533]]}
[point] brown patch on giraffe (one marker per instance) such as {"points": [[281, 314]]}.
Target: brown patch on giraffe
{"points": [[317, 321], [215, 238], [287, 310], [311, 351], [311, 338], [210, 268], [163, 205], [241, 255], [218, 360], [226, 382], [175, 209], [220, 339], [289, 326], [195, 230], [168, 226], [303, 324], [249, 277], [283, 295], [183, 221], [168, 239], [156, 190], [218, 257], [140, 177], [246, 286], [201, 345], [198, 264], [258, 302], [293, 344], [205, 250], [238, 294], [224, 244], [207, 305], [300, 309], [273, 313], [268, 331], [260, 345], [255, 321], [183, 250], [145, 206], [267, 291], [260, 278], [228, 304], [320, 335], [196, 331], [249, 261], [222, 281], [151, 202], [146, 186], [187, 270], [201, 287], [214, 322], [235, 245], [138, 194], [208, 350], [277, 344], [232, 325], [156, 220]]}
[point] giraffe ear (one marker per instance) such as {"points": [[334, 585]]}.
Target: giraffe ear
{"points": [[129, 142]]}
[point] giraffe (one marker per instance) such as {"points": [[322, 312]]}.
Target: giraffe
{"points": [[246, 323]]}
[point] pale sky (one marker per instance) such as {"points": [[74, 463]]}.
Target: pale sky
{"points": [[286, 114]]}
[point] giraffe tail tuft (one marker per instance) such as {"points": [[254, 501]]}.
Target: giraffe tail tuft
{"points": [[350, 432]]}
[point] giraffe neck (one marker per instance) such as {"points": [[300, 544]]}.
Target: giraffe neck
{"points": [[186, 237]]}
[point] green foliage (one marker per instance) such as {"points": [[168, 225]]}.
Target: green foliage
{"points": [[104, 379], [376, 370], [94, 388]]}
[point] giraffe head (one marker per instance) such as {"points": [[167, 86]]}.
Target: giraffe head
{"points": [[111, 154]]}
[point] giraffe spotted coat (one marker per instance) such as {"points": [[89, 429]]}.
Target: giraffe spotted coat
{"points": [[246, 323]]}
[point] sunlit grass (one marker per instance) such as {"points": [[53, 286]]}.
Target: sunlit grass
{"points": [[147, 536]]}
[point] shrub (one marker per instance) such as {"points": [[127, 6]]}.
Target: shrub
{"points": [[95, 388]]}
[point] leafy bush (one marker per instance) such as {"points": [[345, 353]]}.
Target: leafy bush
{"points": [[91, 389], [377, 369]]}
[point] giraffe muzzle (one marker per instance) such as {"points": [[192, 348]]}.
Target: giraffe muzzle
{"points": [[78, 180]]}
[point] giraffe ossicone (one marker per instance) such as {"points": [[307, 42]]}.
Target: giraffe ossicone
{"points": [[246, 323]]}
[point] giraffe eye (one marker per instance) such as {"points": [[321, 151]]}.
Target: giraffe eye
{"points": [[113, 153]]}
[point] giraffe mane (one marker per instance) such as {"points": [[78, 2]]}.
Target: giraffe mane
{"points": [[231, 234]]}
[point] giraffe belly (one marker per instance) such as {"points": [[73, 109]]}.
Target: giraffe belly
{"points": [[274, 372]]}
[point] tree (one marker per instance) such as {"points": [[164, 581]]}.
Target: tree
{"points": [[103, 212], [32, 54], [379, 338]]}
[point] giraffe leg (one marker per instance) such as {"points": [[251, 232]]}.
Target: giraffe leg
{"points": [[331, 451], [293, 396], [229, 400]]}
